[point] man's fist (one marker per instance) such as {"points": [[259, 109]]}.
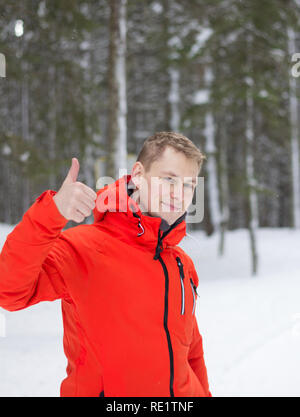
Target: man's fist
{"points": [[75, 200]]}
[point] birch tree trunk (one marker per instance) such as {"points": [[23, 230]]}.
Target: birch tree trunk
{"points": [[173, 71], [89, 151], [117, 123], [25, 133], [294, 121], [224, 189], [52, 125], [2, 65], [211, 165], [174, 96], [250, 177]]}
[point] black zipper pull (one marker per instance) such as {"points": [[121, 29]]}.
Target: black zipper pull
{"points": [[194, 286], [181, 273], [180, 266], [193, 292]]}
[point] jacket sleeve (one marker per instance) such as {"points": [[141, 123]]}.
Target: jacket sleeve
{"points": [[32, 257], [196, 359]]}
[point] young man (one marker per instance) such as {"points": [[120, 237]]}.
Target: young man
{"points": [[128, 291]]}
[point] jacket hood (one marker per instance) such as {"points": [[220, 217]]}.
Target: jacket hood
{"points": [[121, 216]]}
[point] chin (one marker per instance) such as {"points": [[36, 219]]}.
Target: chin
{"points": [[170, 218]]}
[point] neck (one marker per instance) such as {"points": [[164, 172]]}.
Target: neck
{"points": [[135, 195]]}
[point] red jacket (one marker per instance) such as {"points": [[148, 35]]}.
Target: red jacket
{"points": [[128, 297]]}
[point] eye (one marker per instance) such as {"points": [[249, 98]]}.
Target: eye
{"points": [[190, 186], [168, 179]]}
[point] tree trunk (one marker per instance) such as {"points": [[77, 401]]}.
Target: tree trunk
{"points": [[250, 178], [52, 125], [117, 126], [174, 98], [25, 134], [294, 121], [224, 189], [211, 165], [89, 151]]}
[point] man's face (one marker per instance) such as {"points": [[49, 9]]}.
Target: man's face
{"points": [[167, 189]]}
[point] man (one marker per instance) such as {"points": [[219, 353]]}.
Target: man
{"points": [[128, 291]]}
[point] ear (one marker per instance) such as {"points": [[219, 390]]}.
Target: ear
{"points": [[137, 173]]}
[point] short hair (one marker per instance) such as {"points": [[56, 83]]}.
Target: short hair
{"points": [[155, 145]]}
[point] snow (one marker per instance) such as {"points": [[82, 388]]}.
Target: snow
{"points": [[201, 96], [175, 42], [250, 325], [263, 94], [6, 150], [24, 156], [42, 9], [19, 28], [278, 54], [201, 38], [157, 7]]}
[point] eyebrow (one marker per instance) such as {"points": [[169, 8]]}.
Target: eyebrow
{"points": [[174, 175]]}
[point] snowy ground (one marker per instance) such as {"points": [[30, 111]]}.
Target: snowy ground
{"points": [[250, 326]]}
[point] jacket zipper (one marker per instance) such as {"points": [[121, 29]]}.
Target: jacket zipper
{"points": [[194, 294], [166, 326], [159, 248], [181, 273]]}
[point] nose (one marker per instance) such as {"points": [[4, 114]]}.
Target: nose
{"points": [[176, 193]]}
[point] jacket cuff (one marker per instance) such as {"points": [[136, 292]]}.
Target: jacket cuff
{"points": [[46, 212]]}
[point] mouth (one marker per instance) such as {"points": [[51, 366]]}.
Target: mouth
{"points": [[170, 207]]}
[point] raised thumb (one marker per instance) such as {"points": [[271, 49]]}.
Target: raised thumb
{"points": [[73, 171]]}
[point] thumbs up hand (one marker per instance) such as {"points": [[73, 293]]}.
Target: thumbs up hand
{"points": [[74, 199]]}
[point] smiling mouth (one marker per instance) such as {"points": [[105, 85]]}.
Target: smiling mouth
{"points": [[171, 207]]}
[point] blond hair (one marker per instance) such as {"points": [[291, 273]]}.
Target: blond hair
{"points": [[155, 145]]}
